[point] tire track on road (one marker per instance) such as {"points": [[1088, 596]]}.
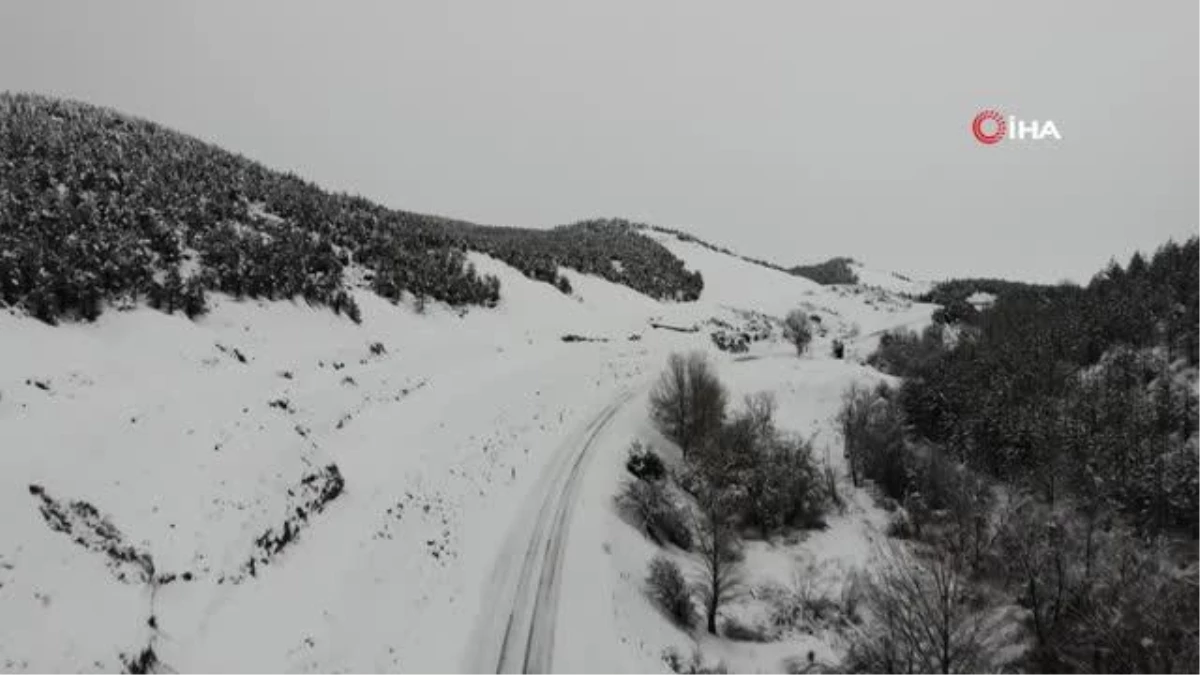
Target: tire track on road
{"points": [[515, 631]]}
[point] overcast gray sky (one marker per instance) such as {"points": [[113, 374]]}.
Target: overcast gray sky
{"points": [[788, 130]]}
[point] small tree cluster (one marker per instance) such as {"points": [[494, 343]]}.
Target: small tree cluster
{"points": [[741, 471], [872, 426], [903, 352], [832, 271], [778, 481]]}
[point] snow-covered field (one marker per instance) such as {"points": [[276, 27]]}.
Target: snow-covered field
{"points": [[272, 487]]}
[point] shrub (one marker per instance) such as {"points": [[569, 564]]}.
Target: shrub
{"points": [[145, 661], [647, 503], [806, 604], [644, 463], [742, 632], [672, 522], [670, 591], [900, 525]]}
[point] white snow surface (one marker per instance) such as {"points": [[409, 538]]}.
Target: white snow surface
{"points": [[890, 281], [981, 299], [194, 438]]}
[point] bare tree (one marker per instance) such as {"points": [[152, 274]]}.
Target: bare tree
{"points": [[919, 618], [688, 402], [1041, 559], [797, 330], [720, 553], [853, 419]]}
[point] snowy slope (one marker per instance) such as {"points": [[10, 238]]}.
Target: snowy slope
{"points": [[168, 483], [857, 314], [889, 281]]}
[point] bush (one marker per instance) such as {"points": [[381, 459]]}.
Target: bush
{"points": [[900, 525], [647, 503], [806, 605], [741, 632], [644, 463], [670, 591]]}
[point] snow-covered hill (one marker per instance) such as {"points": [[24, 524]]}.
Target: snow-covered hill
{"points": [[890, 281], [273, 487]]}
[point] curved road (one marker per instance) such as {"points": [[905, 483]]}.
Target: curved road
{"points": [[514, 632]]}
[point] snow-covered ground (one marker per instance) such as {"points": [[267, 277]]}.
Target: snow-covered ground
{"points": [[889, 281], [170, 483]]}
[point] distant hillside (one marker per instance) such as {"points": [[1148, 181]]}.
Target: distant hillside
{"points": [[685, 236], [832, 271], [96, 206], [841, 270]]}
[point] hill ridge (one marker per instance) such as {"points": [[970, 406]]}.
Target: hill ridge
{"points": [[99, 206]]}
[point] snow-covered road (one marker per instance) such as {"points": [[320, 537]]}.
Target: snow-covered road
{"points": [[515, 629]]}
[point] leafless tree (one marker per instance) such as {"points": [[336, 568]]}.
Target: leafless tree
{"points": [[797, 329], [720, 554], [920, 617], [1100, 599], [1041, 558], [688, 402], [853, 418]]}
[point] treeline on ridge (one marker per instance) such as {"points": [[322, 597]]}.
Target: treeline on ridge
{"points": [[97, 206], [832, 271]]}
